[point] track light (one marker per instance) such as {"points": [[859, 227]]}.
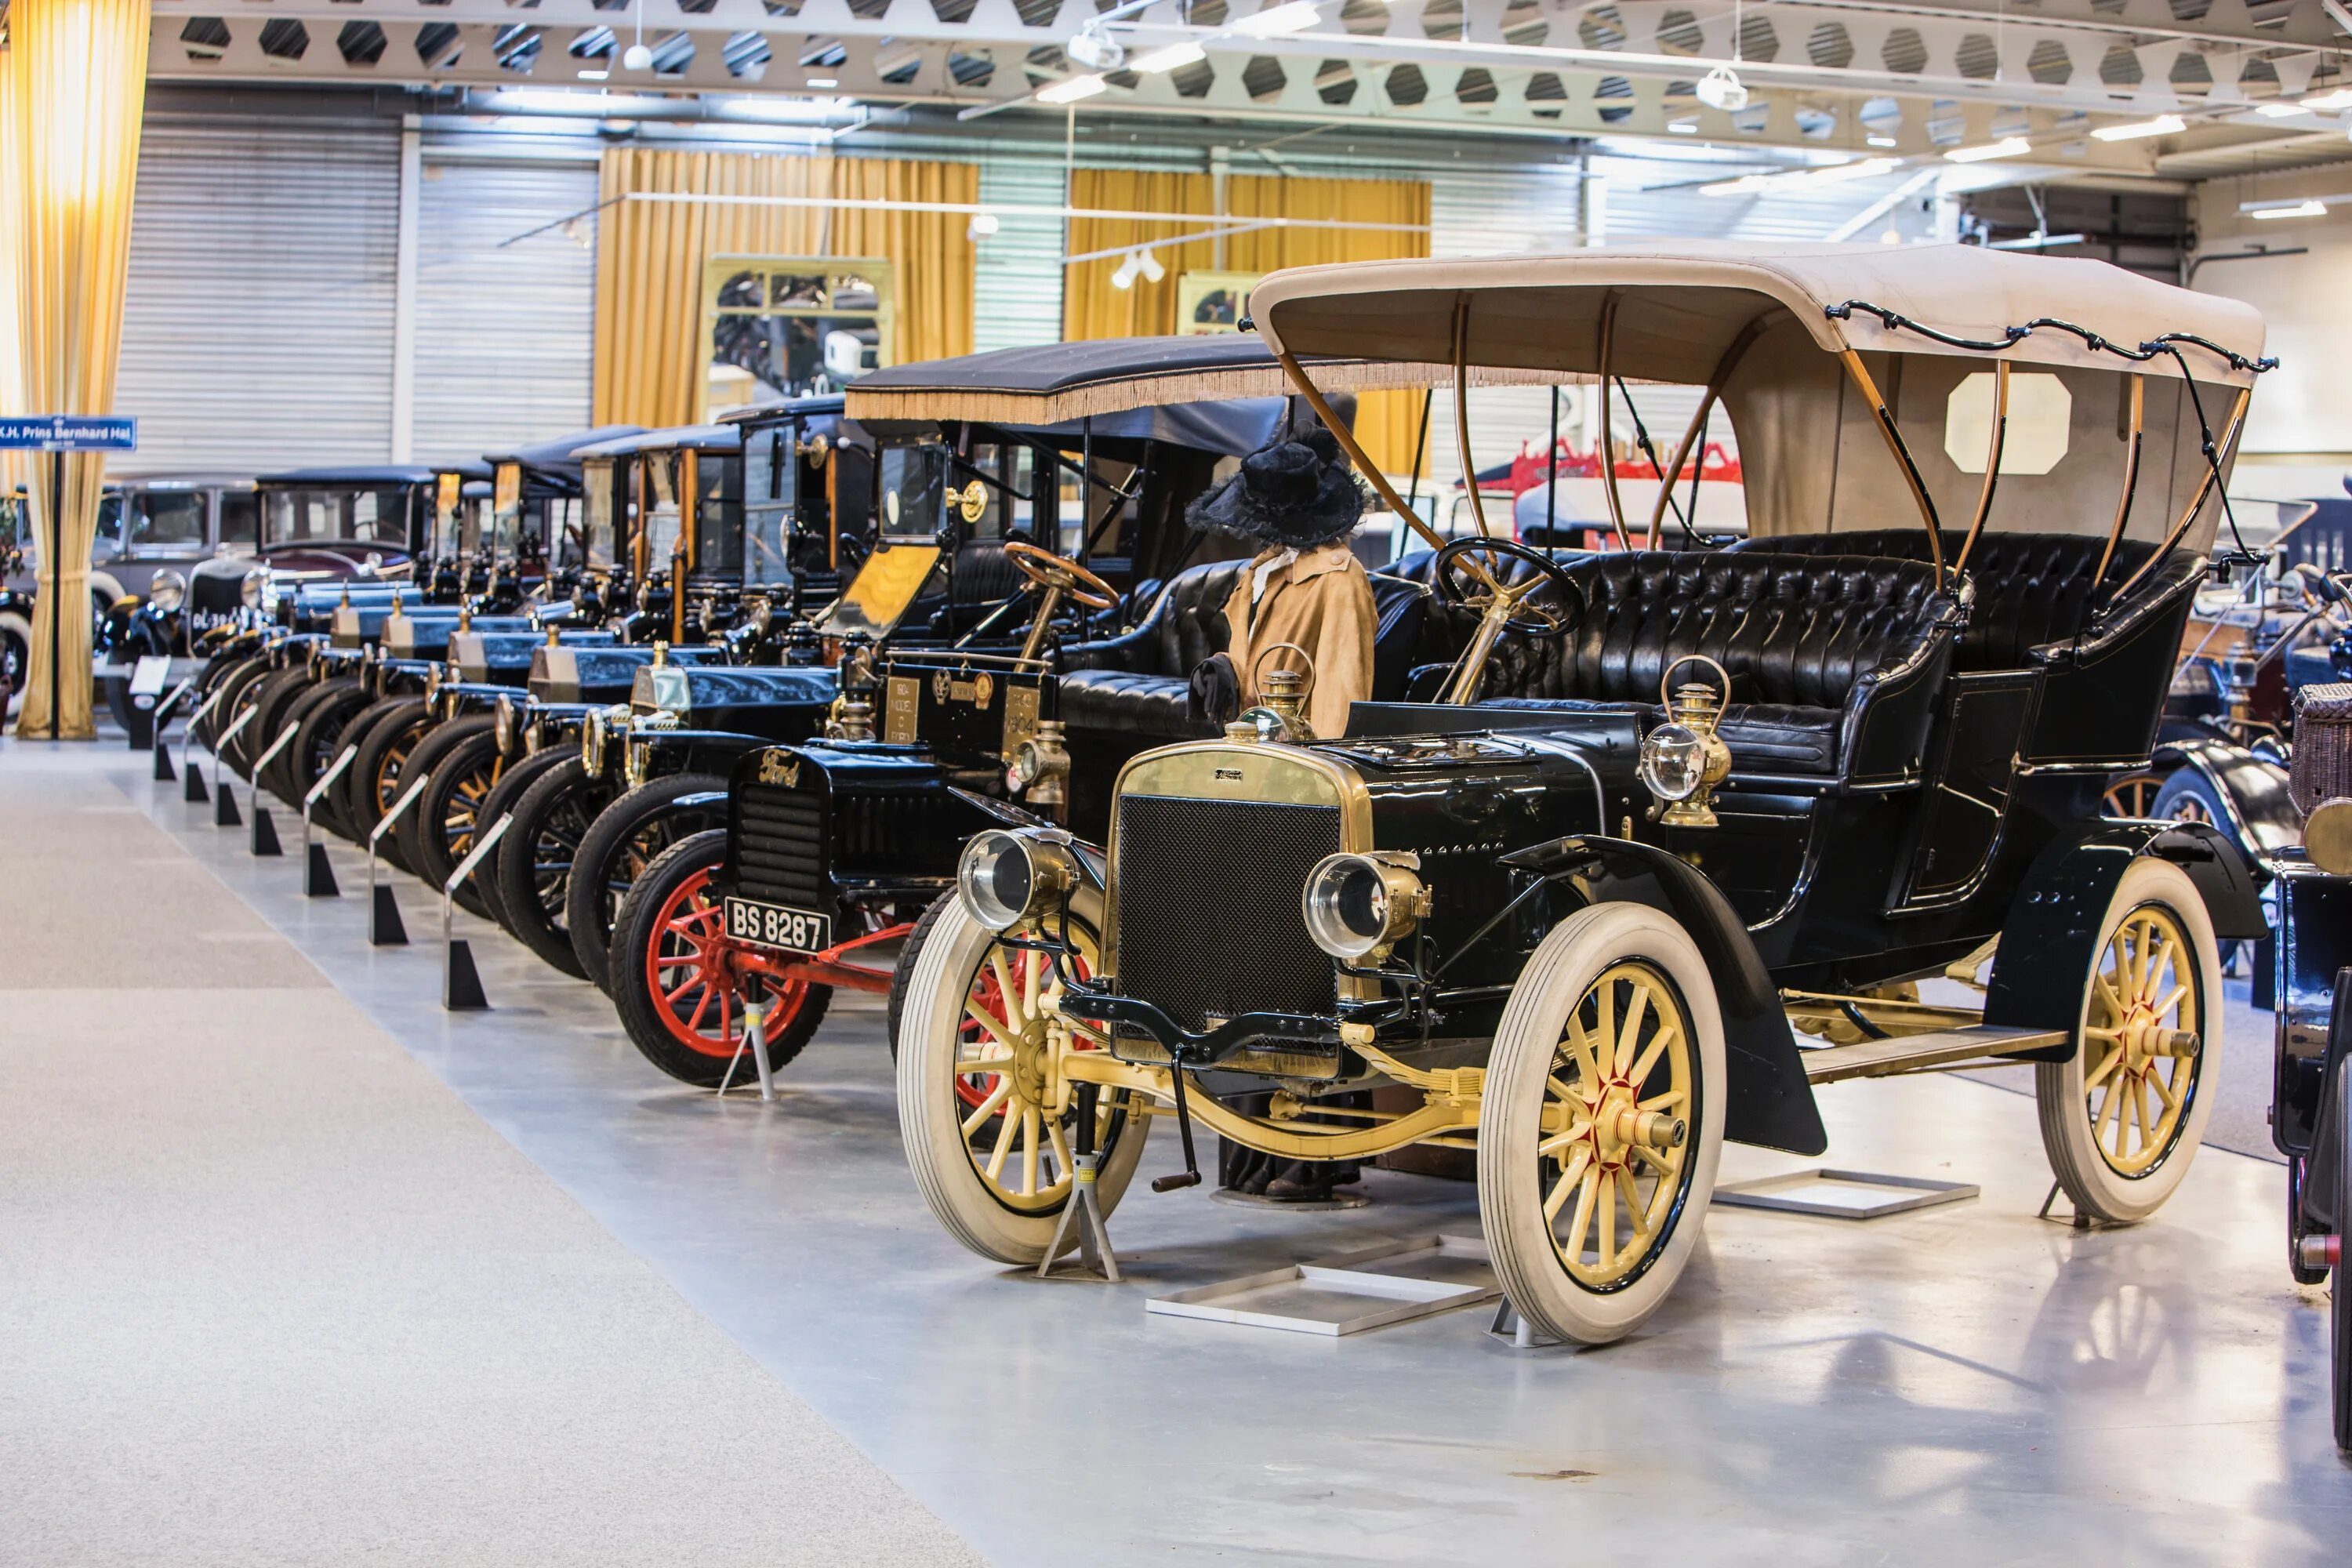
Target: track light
{"points": [[1069, 89], [1721, 88], [982, 226], [1095, 49], [2162, 125], [1149, 265], [1294, 17], [1124, 277], [1168, 58], [2007, 147]]}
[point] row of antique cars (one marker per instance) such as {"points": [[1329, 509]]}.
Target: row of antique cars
{"points": [[1627, 854]]}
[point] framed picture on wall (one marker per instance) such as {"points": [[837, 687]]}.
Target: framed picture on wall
{"points": [[1212, 302], [779, 327]]}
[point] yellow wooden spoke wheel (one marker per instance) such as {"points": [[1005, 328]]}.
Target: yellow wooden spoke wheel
{"points": [[2121, 1119], [1602, 1122], [988, 1120]]}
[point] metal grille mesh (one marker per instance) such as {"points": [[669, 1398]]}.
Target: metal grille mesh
{"points": [[779, 846], [1208, 906]]}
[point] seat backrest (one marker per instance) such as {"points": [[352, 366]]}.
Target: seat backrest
{"points": [[1795, 629], [1187, 623], [2031, 589], [1399, 605], [984, 574]]}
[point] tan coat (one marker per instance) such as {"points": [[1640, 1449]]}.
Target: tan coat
{"points": [[1322, 602]]}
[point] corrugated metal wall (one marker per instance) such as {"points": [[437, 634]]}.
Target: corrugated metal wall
{"points": [[1017, 293], [505, 333], [258, 327]]}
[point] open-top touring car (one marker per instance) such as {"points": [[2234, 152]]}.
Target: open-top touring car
{"points": [[1682, 804]]}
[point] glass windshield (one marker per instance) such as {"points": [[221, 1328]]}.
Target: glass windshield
{"points": [[914, 490], [718, 515], [570, 545], [166, 522], [660, 512], [305, 516], [599, 509], [771, 470], [506, 521]]}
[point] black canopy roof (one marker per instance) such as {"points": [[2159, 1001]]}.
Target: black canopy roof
{"points": [[361, 477]]}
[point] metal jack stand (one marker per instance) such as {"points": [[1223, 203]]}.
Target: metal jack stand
{"points": [[461, 982], [318, 876], [162, 743], [755, 1037], [265, 827], [1084, 1212], [194, 794], [385, 927], [1514, 1330]]}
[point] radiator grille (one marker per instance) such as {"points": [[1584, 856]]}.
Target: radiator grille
{"points": [[780, 839], [1208, 906]]}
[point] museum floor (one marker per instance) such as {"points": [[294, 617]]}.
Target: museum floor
{"points": [[301, 1268]]}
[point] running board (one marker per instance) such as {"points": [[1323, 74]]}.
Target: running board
{"points": [[1908, 1053]]}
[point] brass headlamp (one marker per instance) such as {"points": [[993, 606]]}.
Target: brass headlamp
{"points": [[638, 750], [1041, 766], [594, 731], [1682, 760]]}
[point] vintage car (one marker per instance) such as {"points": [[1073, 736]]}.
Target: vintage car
{"points": [[2311, 1107], [954, 736], [1682, 805]]}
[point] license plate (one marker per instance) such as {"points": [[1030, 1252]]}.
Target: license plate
{"points": [[778, 925]]}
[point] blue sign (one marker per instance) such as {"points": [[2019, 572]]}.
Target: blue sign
{"points": [[69, 433]]}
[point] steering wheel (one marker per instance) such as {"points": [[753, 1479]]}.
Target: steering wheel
{"points": [[1048, 570], [1479, 595]]}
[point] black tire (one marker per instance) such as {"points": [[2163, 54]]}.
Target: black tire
{"points": [[318, 718], [272, 696], [460, 762], [219, 670], [2189, 796], [242, 687], [16, 658], [648, 1017], [906, 966], [2339, 1290], [335, 805], [514, 780], [618, 848], [376, 776], [552, 818], [118, 687]]}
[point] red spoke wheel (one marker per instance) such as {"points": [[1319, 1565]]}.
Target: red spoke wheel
{"points": [[682, 999]]}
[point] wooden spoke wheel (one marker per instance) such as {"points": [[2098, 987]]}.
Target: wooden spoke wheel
{"points": [[1602, 1122], [2132, 796], [2121, 1118], [988, 1119], [683, 1000]]}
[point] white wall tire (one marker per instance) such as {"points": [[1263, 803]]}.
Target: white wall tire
{"points": [[1533, 1178], [2121, 1120], [949, 1139]]}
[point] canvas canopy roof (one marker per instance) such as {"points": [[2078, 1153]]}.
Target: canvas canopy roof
{"points": [[1682, 305], [561, 455], [701, 437]]}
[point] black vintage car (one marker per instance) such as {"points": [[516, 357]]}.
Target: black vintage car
{"points": [[1685, 806], [1071, 524]]}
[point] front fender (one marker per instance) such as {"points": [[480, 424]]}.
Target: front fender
{"points": [[2052, 932], [2257, 814], [1769, 1102]]}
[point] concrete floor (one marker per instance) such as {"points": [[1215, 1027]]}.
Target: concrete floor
{"points": [[1964, 1384]]}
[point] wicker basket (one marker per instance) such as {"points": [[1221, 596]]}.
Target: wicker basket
{"points": [[2322, 745]]}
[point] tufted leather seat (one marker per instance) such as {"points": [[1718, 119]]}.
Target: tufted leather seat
{"points": [[1835, 660], [2031, 589], [1140, 683]]}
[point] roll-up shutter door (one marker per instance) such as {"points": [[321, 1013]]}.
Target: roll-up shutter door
{"points": [[258, 326], [1017, 284], [504, 330]]}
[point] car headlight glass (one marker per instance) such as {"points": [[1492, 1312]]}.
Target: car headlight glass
{"points": [[1674, 761], [1008, 878], [1355, 904], [505, 727], [167, 592], [250, 590], [591, 745]]}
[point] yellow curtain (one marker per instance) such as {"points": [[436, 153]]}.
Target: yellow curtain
{"points": [[1092, 307], [72, 98], [650, 357]]}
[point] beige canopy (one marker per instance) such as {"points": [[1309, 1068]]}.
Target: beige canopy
{"points": [[1682, 304]]}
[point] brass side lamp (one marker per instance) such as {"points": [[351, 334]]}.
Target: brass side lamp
{"points": [[1682, 760]]}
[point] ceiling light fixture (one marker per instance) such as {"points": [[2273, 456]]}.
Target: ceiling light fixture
{"points": [[1095, 49], [1293, 17], [1721, 88], [2279, 111], [1149, 265], [824, 82], [1168, 58], [2007, 147], [2329, 102], [1124, 277], [2162, 125], [638, 58], [2301, 209], [1071, 89], [595, 75], [983, 225], [1880, 140], [1683, 127]]}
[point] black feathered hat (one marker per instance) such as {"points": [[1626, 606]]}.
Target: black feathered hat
{"points": [[1295, 492]]}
